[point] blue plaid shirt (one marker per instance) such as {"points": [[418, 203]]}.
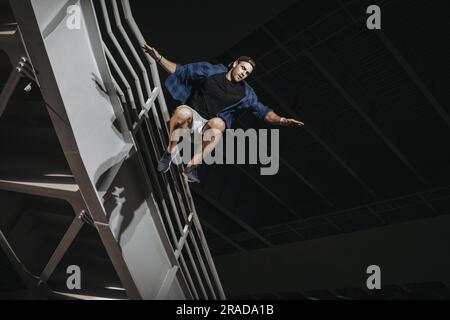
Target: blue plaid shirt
{"points": [[179, 85]]}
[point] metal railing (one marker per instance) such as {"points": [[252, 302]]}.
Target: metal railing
{"points": [[173, 198]]}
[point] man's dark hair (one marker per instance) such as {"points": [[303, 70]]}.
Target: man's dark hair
{"points": [[246, 59]]}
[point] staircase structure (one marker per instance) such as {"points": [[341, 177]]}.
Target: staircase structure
{"points": [[83, 121]]}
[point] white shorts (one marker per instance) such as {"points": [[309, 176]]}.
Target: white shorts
{"points": [[198, 122]]}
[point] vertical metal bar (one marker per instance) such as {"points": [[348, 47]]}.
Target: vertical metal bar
{"points": [[144, 111], [129, 18], [155, 76], [171, 228], [191, 256], [120, 266], [154, 69], [167, 283], [136, 57], [182, 240], [141, 99], [122, 53], [146, 152], [63, 245], [122, 98], [170, 225], [203, 240], [196, 272], [188, 275], [202, 265]]}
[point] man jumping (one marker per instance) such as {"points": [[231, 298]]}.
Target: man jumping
{"points": [[212, 96]]}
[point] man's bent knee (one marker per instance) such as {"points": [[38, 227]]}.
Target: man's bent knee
{"points": [[182, 117], [183, 113], [217, 123], [213, 130]]}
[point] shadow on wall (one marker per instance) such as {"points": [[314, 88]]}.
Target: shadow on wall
{"points": [[127, 200]]}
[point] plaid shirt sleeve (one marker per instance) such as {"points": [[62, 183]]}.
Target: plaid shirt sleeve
{"points": [[259, 109]]}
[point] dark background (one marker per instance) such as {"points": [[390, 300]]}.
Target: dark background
{"points": [[373, 155], [366, 181]]}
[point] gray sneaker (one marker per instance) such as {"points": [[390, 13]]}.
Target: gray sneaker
{"points": [[191, 173], [165, 162]]}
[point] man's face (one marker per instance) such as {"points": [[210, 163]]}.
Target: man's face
{"points": [[241, 70]]}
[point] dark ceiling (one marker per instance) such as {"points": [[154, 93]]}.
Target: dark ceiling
{"points": [[189, 31], [374, 150]]}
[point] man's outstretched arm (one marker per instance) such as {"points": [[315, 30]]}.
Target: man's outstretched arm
{"points": [[168, 65], [273, 118]]}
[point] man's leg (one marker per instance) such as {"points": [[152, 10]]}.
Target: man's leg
{"points": [[181, 119], [214, 129]]}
